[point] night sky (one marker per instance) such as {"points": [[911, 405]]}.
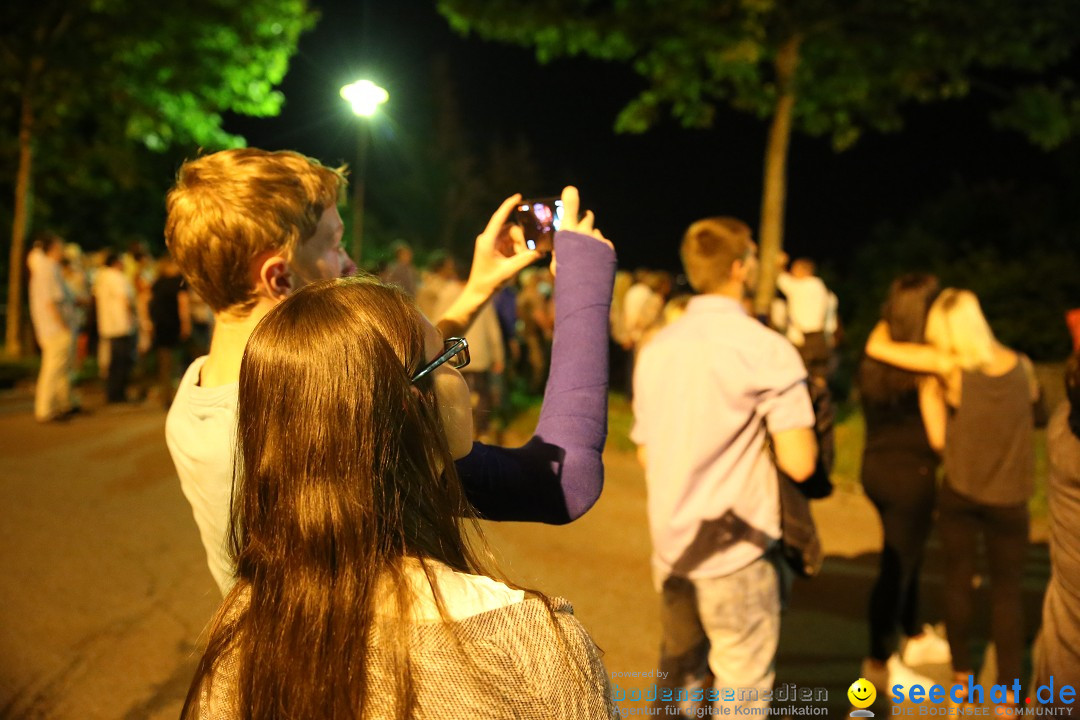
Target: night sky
{"points": [[645, 189]]}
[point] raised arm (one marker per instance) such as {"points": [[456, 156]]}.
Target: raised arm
{"points": [[915, 357], [491, 267], [558, 474]]}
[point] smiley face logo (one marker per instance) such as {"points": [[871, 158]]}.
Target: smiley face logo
{"points": [[862, 693]]}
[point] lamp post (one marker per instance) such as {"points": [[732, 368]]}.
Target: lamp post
{"points": [[364, 97]]}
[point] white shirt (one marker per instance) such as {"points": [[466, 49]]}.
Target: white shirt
{"points": [[641, 308], [808, 304], [115, 303], [201, 434], [706, 389], [485, 341], [48, 297]]}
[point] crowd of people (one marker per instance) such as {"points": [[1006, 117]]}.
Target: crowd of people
{"points": [[332, 447], [129, 313]]}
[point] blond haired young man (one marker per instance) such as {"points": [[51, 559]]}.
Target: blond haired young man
{"points": [[247, 228]]}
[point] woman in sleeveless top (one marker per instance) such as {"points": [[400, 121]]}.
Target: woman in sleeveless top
{"points": [[898, 475], [985, 395]]}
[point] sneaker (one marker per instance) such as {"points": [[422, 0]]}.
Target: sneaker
{"points": [[928, 648], [901, 674]]}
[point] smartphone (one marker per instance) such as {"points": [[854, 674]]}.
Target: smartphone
{"points": [[539, 219]]}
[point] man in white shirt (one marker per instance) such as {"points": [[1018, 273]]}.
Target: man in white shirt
{"points": [[51, 312], [708, 389], [115, 298], [811, 314]]}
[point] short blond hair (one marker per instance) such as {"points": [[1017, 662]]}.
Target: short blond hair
{"points": [[228, 208], [956, 324], [710, 247]]}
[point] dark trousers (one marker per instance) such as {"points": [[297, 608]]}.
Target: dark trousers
{"points": [[1004, 532], [121, 361], [906, 509]]}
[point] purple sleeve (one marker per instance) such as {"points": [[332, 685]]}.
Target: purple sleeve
{"points": [[558, 474]]}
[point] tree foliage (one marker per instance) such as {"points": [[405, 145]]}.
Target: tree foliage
{"points": [[830, 68], [859, 60], [152, 73], [90, 87]]}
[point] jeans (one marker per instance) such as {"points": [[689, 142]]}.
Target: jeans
{"points": [[1004, 532], [728, 626], [121, 361], [906, 507]]}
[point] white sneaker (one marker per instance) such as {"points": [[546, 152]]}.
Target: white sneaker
{"points": [[929, 648], [901, 674]]}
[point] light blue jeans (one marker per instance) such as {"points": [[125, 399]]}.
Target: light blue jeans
{"points": [[720, 633]]}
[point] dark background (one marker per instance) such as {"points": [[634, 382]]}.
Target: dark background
{"points": [[645, 189]]}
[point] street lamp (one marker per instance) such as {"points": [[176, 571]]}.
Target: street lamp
{"points": [[364, 97]]}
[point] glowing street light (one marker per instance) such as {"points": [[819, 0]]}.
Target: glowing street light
{"points": [[364, 97]]}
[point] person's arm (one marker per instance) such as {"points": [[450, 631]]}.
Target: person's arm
{"points": [[558, 474], [783, 281], [933, 410], [796, 452], [490, 269], [915, 357]]}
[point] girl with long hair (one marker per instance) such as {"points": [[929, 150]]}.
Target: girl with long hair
{"points": [[899, 476], [985, 394], [358, 593]]}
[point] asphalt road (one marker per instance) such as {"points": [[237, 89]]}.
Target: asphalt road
{"points": [[105, 590]]}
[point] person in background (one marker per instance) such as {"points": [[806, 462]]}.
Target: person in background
{"points": [[537, 321], [115, 302], [77, 281], [485, 371], [170, 315], [811, 314], [1056, 657], [984, 400], [708, 390], [52, 310], [440, 288], [899, 476], [401, 271], [643, 306]]}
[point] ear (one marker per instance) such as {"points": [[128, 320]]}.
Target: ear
{"points": [[274, 278], [739, 270]]}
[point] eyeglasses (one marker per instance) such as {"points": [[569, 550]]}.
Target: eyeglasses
{"points": [[455, 352]]}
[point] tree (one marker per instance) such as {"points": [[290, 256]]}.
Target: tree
{"points": [[825, 67], [128, 73]]}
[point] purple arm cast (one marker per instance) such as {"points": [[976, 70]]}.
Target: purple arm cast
{"points": [[559, 473]]}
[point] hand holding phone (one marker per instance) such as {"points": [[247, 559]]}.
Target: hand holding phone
{"points": [[539, 219]]}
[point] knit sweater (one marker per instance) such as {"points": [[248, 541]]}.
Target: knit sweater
{"points": [[515, 660]]}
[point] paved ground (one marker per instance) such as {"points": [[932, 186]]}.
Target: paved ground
{"points": [[105, 591]]}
